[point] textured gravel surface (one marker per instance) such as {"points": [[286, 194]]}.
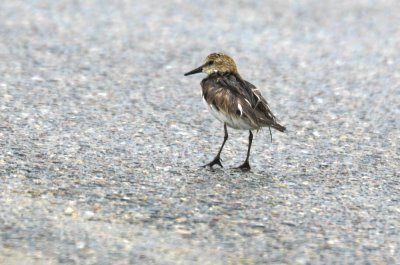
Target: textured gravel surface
{"points": [[102, 137]]}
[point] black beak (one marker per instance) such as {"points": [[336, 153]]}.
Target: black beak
{"points": [[195, 71]]}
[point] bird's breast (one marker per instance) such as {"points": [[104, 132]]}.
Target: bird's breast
{"points": [[224, 107]]}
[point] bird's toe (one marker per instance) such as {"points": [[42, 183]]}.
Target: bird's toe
{"points": [[216, 161]]}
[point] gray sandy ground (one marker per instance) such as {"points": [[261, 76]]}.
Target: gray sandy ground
{"points": [[102, 137]]}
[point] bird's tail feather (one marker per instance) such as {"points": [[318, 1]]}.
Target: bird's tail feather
{"points": [[278, 127]]}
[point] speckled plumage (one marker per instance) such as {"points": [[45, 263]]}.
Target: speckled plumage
{"points": [[234, 101], [239, 101]]}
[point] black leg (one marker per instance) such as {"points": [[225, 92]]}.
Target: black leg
{"points": [[246, 166], [217, 159]]}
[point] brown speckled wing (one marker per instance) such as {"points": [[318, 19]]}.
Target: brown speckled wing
{"points": [[218, 96], [261, 103], [250, 97], [226, 100], [231, 94]]}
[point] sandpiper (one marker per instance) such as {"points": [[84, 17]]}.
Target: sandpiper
{"points": [[233, 101]]}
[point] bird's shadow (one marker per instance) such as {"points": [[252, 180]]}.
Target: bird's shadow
{"points": [[234, 173]]}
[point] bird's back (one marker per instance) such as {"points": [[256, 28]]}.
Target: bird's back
{"points": [[230, 94]]}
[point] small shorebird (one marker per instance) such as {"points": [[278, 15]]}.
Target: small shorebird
{"points": [[233, 101]]}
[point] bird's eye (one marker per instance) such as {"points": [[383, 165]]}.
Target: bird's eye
{"points": [[210, 62]]}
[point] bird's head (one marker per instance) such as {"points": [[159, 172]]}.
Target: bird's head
{"points": [[216, 63]]}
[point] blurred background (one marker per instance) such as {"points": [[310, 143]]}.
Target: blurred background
{"points": [[101, 135]]}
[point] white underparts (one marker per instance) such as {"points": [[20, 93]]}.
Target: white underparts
{"points": [[233, 121]]}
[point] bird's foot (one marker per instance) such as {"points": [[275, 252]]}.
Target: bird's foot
{"points": [[217, 161], [244, 167]]}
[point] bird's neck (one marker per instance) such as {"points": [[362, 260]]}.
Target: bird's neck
{"points": [[217, 74]]}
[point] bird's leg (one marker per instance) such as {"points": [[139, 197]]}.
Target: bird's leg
{"points": [[246, 166], [217, 159]]}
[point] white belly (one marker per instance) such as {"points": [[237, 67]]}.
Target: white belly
{"points": [[233, 121]]}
